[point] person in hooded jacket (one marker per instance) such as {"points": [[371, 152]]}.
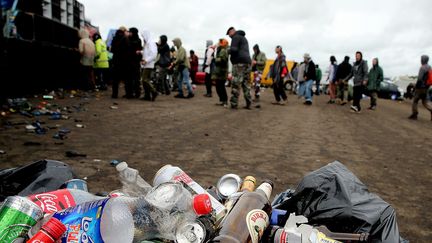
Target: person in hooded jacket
{"points": [[134, 83], [309, 77], [279, 71], [332, 79], [258, 64], [87, 50], [421, 88], [208, 67], [221, 71], [193, 59], [360, 74], [120, 49], [163, 64], [149, 55], [241, 61], [182, 64], [376, 76], [101, 63], [343, 70]]}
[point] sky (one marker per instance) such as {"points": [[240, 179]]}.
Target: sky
{"points": [[398, 32]]}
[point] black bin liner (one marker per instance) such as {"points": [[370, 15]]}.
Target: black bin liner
{"points": [[37, 177], [333, 196]]}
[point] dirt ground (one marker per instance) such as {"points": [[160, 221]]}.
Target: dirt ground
{"points": [[389, 153]]}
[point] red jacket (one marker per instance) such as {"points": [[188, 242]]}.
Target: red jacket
{"points": [[194, 63]]}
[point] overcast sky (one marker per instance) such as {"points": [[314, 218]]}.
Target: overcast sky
{"points": [[395, 31]]}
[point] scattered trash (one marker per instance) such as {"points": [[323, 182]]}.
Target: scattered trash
{"points": [[113, 107], [48, 97], [80, 126], [177, 209], [2, 152]]}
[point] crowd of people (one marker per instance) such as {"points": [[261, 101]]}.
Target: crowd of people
{"points": [[152, 69]]}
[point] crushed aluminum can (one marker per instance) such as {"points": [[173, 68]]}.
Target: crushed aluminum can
{"points": [[192, 232], [228, 185]]}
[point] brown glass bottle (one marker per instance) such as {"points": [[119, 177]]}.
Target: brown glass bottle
{"points": [[248, 184], [251, 207]]}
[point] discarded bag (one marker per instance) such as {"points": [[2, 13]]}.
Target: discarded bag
{"points": [[37, 177], [333, 196]]}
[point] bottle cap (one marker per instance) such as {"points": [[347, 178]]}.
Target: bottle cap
{"points": [[121, 166], [202, 204], [54, 227]]}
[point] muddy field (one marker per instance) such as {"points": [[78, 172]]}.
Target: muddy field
{"points": [[388, 152]]}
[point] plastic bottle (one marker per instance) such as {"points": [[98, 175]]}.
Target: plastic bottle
{"points": [[127, 219], [51, 202], [249, 218], [49, 233], [133, 183]]}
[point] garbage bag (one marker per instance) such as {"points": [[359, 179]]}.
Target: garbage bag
{"points": [[333, 196], [37, 177]]}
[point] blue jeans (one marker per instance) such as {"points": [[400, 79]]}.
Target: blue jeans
{"points": [[184, 79], [308, 91]]}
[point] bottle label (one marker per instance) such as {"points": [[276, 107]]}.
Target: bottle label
{"points": [[54, 201], [257, 221], [82, 222]]}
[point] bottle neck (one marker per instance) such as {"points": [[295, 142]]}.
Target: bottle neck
{"points": [[248, 184], [266, 188]]}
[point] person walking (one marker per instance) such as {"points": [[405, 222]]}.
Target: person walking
{"points": [[101, 64], [182, 64], [376, 76], [87, 50], [221, 71], [421, 88], [309, 77], [300, 79], [163, 64], [193, 59], [318, 80], [258, 64], [208, 67], [134, 82], [331, 79], [343, 70], [149, 55], [240, 59], [360, 74], [279, 72]]}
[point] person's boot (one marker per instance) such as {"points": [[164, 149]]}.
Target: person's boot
{"points": [[154, 95], [413, 116]]}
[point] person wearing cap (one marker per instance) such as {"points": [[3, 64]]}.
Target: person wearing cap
{"points": [[240, 59], [258, 64], [279, 71], [208, 67], [182, 64], [309, 77], [360, 73], [221, 71]]}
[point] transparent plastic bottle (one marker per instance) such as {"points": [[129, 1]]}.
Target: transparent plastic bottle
{"points": [[133, 183], [132, 219]]}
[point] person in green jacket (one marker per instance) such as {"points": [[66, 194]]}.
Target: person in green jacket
{"points": [[318, 79], [376, 76], [182, 64], [101, 63], [221, 71], [258, 64]]}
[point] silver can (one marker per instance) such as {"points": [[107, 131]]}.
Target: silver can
{"points": [[192, 232], [228, 185]]}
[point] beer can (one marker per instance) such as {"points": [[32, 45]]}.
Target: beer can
{"points": [[280, 236], [228, 185], [191, 232], [171, 173], [76, 184], [17, 216]]}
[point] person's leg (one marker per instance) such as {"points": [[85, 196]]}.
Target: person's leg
{"points": [[187, 82], [317, 86], [308, 91], [373, 99], [276, 93], [147, 85], [115, 86], [282, 91], [193, 76], [235, 86], [246, 85], [219, 89], [357, 97], [180, 84], [208, 84]]}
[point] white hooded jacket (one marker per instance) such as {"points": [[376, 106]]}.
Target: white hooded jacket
{"points": [[149, 50]]}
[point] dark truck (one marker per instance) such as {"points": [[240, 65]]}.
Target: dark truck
{"points": [[39, 45]]}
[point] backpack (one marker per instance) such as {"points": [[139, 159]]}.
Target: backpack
{"points": [[429, 78]]}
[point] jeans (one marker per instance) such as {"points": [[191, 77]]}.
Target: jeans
{"points": [[308, 90], [184, 79]]}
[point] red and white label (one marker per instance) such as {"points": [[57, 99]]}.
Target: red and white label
{"points": [[257, 221], [183, 177], [51, 202]]}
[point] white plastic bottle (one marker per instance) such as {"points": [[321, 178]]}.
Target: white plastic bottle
{"points": [[133, 184]]}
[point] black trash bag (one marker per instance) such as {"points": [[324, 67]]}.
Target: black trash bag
{"points": [[333, 196], [37, 177]]}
